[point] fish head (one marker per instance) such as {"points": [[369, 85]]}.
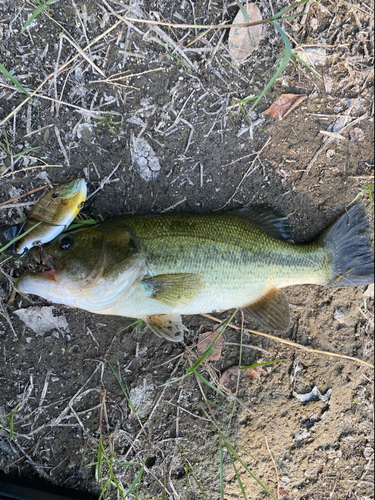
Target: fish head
{"points": [[71, 265], [87, 268], [52, 214]]}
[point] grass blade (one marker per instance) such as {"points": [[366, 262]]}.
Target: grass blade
{"points": [[221, 469], [14, 80], [125, 391], [231, 450], [238, 476], [36, 13], [281, 67], [135, 482], [262, 364], [18, 238], [205, 381], [296, 56]]}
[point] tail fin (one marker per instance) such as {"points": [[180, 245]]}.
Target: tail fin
{"points": [[349, 240]]}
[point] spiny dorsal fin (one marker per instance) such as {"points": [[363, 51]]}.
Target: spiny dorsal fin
{"points": [[272, 310], [168, 326], [173, 289], [267, 218]]}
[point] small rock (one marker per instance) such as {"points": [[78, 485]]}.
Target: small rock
{"points": [[339, 316], [369, 291], [368, 452], [357, 135]]}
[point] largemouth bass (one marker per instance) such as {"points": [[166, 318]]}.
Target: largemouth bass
{"points": [[162, 266], [49, 217]]}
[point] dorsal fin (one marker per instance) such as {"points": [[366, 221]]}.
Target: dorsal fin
{"points": [[267, 218]]}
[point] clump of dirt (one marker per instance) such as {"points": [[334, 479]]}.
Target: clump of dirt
{"points": [[149, 116]]}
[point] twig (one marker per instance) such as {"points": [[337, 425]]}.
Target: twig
{"points": [[25, 194], [330, 139], [63, 150], [248, 172], [104, 181], [173, 206], [28, 168], [294, 344], [60, 69], [274, 464]]}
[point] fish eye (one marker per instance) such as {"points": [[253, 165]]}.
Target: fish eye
{"points": [[66, 242]]}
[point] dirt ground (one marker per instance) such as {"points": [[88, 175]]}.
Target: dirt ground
{"points": [[60, 401]]}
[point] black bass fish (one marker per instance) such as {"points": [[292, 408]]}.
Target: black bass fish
{"points": [[161, 266]]}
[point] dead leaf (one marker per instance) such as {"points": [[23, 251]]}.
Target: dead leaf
{"points": [[243, 41], [144, 159], [284, 105], [204, 342], [41, 319], [230, 376], [314, 56]]}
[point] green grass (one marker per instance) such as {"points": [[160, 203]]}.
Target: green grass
{"points": [[112, 120], [14, 80], [2, 249], [8, 420], [367, 190], [40, 7]]}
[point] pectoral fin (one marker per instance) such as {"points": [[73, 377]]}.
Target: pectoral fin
{"points": [[174, 289], [168, 326], [272, 310]]}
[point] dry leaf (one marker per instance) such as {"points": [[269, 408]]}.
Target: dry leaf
{"points": [[243, 41], [230, 376], [144, 158], [204, 342], [285, 103], [41, 319], [314, 56]]}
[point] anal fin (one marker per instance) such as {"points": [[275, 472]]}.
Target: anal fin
{"points": [[272, 310], [168, 326]]}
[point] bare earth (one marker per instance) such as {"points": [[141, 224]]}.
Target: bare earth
{"points": [[169, 135]]}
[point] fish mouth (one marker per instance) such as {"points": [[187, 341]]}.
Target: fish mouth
{"points": [[46, 262]]}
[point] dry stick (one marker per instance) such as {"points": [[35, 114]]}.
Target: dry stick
{"points": [[167, 39], [330, 139], [246, 174], [60, 69], [154, 408], [25, 194], [104, 181], [57, 101], [274, 464], [294, 344], [28, 168], [85, 56]]}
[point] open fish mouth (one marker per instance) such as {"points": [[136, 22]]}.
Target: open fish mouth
{"points": [[47, 263]]}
